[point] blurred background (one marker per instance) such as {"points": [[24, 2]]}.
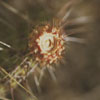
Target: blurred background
{"points": [[78, 73]]}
